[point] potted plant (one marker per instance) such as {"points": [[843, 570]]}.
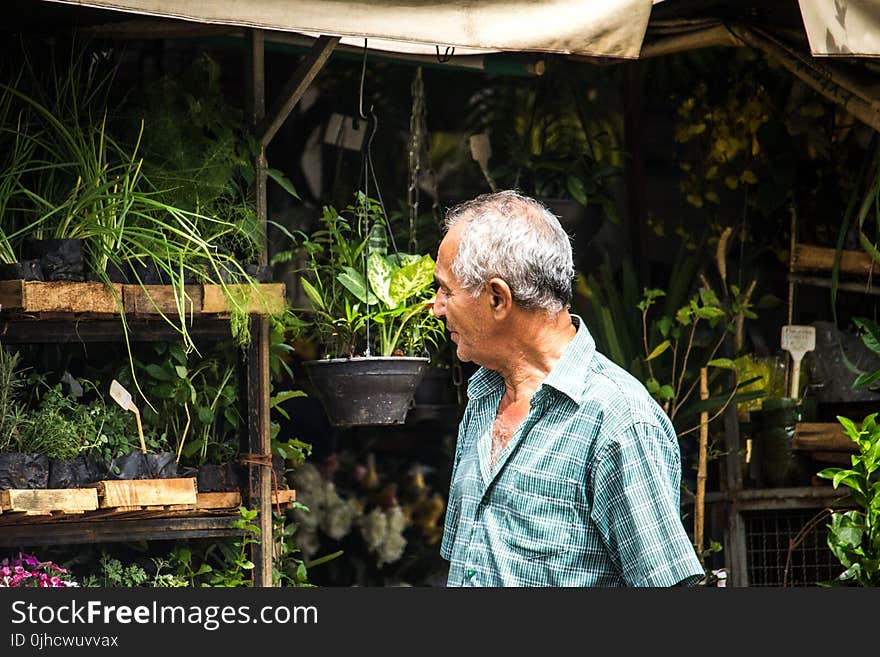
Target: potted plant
{"points": [[82, 198], [21, 466], [370, 317]]}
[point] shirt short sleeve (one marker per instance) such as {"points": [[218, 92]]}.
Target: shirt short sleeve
{"points": [[635, 486]]}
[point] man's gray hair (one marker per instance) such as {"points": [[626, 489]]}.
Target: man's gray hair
{"points": [[513, 237]]}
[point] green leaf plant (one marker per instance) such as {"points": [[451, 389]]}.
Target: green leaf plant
{"points": [[385, 313], [66, 176], [196, 400], [675, 332], [854, 535]]}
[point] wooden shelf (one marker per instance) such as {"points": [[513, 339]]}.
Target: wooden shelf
{"points": [[811, 258], [812, 265], [119, 527], [20, 329], [99, 300], [768, 499], [821, 437], [43, 517]]}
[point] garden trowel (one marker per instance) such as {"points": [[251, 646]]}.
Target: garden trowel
{"points": [[797, 340], [123, 397]]}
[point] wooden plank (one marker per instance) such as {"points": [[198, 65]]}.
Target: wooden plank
{"points": [[218, 500], [127, 493], [263, 299], [35, 530], [285, 496], [807, 257], [232, 499], [32, 331], [153, 299], [70, 297], [832, 458], [296, 87], [860, 287], [12, 295], [46, 500], [821, 436]]}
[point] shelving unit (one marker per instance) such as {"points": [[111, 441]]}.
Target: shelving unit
{"points": [[738, 509], [64, 312], [87, 313]]}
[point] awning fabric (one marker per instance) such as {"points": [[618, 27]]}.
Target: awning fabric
{"points": [[844, 28], [606, 28]]}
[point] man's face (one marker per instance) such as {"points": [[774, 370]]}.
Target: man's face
{"points": [[467, 317]]}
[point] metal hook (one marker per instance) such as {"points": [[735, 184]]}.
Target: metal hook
{"points": [[361, 94], [447, 54]]}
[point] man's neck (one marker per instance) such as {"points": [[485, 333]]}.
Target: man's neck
{"points": [[534, 345]]}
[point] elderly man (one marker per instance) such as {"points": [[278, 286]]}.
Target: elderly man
{"points": [[566, 471]]}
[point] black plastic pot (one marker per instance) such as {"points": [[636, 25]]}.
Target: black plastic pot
{"points": [[366, 391], [23, 470], [74, 473], [435, 397], [137, 465], [147, 274], [773, 427], [25, 270], [60, 259]]}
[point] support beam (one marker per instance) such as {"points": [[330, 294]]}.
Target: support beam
{"points": [[827, 79], [257, 358], [258, 384], [295, 87]]}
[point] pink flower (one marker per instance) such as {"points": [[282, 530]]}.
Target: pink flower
{"points": [[27, 570]]}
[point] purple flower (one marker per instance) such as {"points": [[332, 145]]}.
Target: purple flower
{"points": [[28, 571]]}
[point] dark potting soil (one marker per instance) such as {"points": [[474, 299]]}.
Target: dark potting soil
{"points": [[74, 473], [225, 477], [23, 470]]}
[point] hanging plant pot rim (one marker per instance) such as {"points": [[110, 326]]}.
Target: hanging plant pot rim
{"points": [[366, 390], [372, 359]]}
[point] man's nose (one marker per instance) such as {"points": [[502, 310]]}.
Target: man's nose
{"points": [[439, 306]]}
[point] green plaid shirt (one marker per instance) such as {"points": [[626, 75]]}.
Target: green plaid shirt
{"points": [[586, 493]]}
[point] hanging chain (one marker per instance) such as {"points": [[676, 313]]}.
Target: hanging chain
{"points": [[417, 130], [365, 167]]}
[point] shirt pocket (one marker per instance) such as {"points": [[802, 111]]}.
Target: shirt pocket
{"points": [[539, 518]]}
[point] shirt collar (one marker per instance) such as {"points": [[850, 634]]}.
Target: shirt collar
{"points": [[567, 376]]}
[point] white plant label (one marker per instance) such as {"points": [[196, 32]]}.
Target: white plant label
{"points": [[797, 340]]}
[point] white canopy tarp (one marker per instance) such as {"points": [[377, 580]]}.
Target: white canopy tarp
{"points": [[847, 28], [606, 28]]}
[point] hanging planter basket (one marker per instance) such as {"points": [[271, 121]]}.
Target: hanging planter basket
{"points": [[366, 391]]}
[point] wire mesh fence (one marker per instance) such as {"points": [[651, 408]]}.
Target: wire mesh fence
{"points": [[788, 548]]}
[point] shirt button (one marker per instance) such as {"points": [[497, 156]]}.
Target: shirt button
{"points": [[470, 572]]}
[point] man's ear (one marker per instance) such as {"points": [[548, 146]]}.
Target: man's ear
{"points": [[500, 297]]}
